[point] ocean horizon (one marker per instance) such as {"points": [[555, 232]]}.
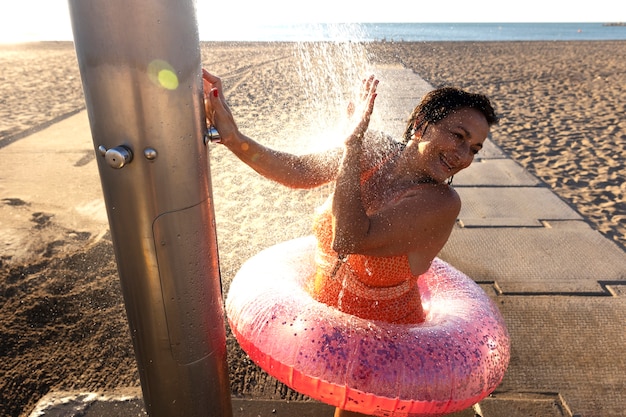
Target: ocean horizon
{"points": [[396, 32], [421, 32]]}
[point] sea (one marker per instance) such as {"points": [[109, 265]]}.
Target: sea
{"points": [[422, 32]]}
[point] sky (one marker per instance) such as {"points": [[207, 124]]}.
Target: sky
{"points": [[42, 20]]}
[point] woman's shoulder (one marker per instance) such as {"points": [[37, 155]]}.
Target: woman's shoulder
{"points": [[379, 146], [439, 195], [378, 138]]}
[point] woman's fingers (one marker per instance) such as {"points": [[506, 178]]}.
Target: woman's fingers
{"points": [[214, 106], [210, 82], [372, 85], [368, 92], [206, 75], [217, 112], [351, 109], [368, 86], [211, 88], [213, 96], [363, 109]]}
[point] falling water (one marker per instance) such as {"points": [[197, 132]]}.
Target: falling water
{"points": [[327, 76], [331, 73]]}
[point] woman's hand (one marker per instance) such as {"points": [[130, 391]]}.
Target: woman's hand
{"points": [[217, 112], [352, 223], [364, 109]]}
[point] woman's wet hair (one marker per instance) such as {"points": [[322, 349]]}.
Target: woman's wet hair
{"points": [[438, 104]]}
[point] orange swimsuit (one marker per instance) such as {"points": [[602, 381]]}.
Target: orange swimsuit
{"points": [[340, 283]]}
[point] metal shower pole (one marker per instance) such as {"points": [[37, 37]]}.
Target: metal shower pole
{"points": [[140, 66]]}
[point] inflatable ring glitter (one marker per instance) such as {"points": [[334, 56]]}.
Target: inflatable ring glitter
{"points": [[447, 363]]}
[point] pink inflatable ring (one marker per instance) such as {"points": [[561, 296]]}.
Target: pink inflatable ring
{"points": [[451, 361]]}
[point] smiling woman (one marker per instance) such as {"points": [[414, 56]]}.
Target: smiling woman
{"points": [[375, 242]]}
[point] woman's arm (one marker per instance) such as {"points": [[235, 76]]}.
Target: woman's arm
{"points": [[417, 223], [351, 222], [297, 171]]}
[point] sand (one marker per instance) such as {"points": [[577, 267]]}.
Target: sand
{"points": [[62, 321]]}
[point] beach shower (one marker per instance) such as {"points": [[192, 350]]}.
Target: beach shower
{"points": [[140, 67]]}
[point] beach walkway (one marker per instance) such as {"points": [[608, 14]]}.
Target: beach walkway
{"points": [[560, 284]]}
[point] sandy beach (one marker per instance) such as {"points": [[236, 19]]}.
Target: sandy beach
{"points": [[62, 322]]}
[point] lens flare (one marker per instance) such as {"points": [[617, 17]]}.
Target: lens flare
{"points": [[163, 74]]}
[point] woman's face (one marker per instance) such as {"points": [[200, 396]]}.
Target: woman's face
{"points": [[448, 146]]}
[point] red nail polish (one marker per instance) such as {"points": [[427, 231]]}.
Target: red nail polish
{"points": [[215, 93]]}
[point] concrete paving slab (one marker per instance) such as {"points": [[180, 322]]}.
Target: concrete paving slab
{"points": [[511, 206], [50, 181], [393, 104], [525, 404], [570, 345], [130, 404], [537, 260], [494, 172], [114, 405], [489, 151]]}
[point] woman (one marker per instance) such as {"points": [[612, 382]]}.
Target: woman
{"points": [[392, 209]]}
